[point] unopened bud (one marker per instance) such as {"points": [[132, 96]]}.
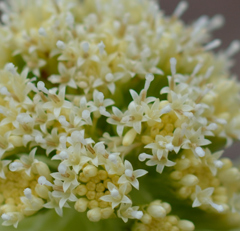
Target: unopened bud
{"points": [[94, 215], [189, 180], [156, 211], [90, 171], [129, 137], [106, 212], [186, 225], [146, 219]]}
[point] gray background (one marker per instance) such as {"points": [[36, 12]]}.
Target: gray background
{"points": [[230, 9]]}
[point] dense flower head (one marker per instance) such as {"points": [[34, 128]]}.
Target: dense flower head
{"points": [[117, 111]]}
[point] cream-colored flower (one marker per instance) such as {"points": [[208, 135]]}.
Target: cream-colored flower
{"points": [[117, 195]]}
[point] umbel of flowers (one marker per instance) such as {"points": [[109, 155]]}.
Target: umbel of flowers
{"points": [[119, 112]]}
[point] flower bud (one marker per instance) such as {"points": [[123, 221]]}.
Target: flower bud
{"points": [[42, 169], [81, 205], [189, 180], [94, 215], [186, 225], [90, 171], [156, 211], [129, 137], [42, 191], [81, 190], [106, 212], [146, 219]]}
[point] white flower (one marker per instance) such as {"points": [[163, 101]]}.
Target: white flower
{"points": [[12, 218], [212, 161], [204, 197], [126, 211], [160, 160], [67, 176], [117, 195], [65, 77], [26, 162], [53, 203], [130, 175], [65, 196], [77, 157], [116, 119], [194, 139], [57, 103], [134, 117], [32, 204]]}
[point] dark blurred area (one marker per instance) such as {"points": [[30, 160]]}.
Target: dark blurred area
{"points": [[230, 9]]}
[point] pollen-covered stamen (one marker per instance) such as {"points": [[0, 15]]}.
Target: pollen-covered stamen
{"points": [[212, 45], [54, 98], [90, 149], [28, 193], [180, 9]]}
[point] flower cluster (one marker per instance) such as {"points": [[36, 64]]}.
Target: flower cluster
{"points": [[115, 110]]}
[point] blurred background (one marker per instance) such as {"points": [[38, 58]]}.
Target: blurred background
{"points": [[230, 9]]}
